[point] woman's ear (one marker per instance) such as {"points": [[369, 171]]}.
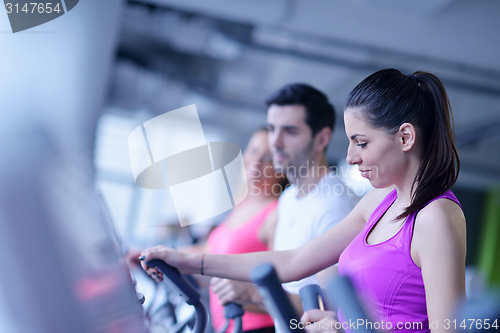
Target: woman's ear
{"points": [[322, 139], [407, 134]]}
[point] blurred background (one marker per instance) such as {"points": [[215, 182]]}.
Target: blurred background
{"points": [[73, 89]]}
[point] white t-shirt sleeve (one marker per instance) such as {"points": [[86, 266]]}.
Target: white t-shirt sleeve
{"points": [[324, 222], [294, 286], [329, 219], [334, 214], [320, 224], [326, 213]]}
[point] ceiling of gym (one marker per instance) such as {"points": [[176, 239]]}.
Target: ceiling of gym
{"points": [[227, 56]]}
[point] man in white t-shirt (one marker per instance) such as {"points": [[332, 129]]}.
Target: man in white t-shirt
{"points": [[300, 219], [300, 122]]}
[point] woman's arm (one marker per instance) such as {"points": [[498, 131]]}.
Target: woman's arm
{"points": [[439, 248], [293, 265], [197, 248]]}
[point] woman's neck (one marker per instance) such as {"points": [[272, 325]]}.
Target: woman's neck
{"points": [[405, 187]]}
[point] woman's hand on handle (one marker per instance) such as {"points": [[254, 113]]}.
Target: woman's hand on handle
{"points": [[242, 293], [177, 259], [324, 321]]}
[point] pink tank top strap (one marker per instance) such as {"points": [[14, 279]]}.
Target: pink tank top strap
{"points": [[266, 211], [255, 222], [241, 239], [259, 218]]}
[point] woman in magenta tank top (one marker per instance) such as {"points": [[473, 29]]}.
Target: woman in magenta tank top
{"points": [[408, 262], [403, 245]]}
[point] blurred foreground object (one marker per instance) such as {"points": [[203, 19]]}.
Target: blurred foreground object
{"points": [[63, 273]]}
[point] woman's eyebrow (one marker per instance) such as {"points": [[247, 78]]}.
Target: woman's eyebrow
{"points": [[356, 135]]}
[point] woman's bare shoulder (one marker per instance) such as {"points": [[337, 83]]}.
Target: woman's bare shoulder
{"points": [[440, 228], [440, 213]]}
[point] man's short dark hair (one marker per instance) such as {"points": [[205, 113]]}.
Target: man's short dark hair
{"points": [[319, 112]]}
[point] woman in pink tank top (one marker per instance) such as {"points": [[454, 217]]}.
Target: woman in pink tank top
{"points": [[234, 240], [249, 227], [403, 245]]}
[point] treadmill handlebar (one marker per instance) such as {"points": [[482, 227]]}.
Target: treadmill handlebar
{"points": [[311, 295], [275, 298], [190, 295], [233, 310], [342, 293]]}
